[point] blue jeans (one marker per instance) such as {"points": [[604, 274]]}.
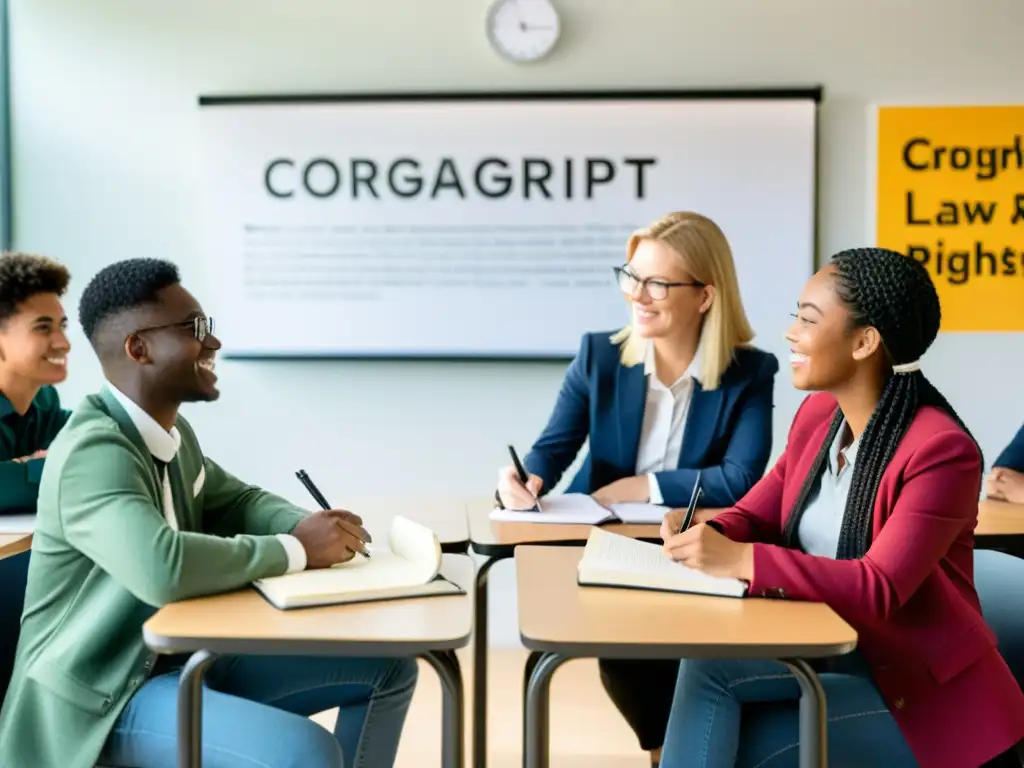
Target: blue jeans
{"points": [[256, 714], [746, 713], [999, 579]]}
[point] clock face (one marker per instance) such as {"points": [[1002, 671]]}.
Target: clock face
{"points": [[522, 30]]}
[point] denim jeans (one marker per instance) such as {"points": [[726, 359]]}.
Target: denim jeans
{"points": [[746, 713], [256, 714]]}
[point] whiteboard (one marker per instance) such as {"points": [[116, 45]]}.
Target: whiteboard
{"points": [[485, 226]]}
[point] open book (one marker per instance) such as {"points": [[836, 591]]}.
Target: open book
{"points": [[581, 508], [409, 566], [611, 560]]}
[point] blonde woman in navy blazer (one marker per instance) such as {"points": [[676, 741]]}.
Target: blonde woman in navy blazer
{"points": [[680, 389]]}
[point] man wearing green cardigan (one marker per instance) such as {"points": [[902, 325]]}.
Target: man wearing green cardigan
{"points": [[132, 516], [33, 357]]}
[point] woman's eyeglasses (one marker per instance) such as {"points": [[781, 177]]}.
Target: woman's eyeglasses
{"points": [[656, 289]]}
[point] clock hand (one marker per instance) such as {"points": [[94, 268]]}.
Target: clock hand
{"points": [[519, 15]]}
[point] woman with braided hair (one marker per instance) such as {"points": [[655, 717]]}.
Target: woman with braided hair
{"points": [[871, 509]]}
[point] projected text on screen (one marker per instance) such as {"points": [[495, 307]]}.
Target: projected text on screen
{"points": [[464, 228]]}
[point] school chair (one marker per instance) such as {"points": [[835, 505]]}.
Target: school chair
{"points": [[999, 578], [13, 576]]}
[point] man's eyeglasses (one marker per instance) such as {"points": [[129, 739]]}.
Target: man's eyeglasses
{"points": [[200, 326], [656, 289]]}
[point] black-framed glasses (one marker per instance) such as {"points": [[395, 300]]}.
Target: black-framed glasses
{"points": [[655, 288], [201, 327]]}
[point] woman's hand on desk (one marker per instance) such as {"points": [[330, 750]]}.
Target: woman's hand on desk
{"points": [[705, 549], [515, 495], [636, 488], [331, 537], [1005, 485]]}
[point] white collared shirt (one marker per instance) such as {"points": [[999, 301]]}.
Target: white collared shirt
{"points": [[665, 412], [164, 446], [822, 519]]}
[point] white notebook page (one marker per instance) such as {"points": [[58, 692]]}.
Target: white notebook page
{"points": [[411, 558], [569, 508], [640, 513], [612, 553]]}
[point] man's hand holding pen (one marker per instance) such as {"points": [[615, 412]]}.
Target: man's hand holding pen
{"points": [[330, 537], [337, 534]]}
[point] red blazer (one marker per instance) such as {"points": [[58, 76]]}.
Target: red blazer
{"points": [[911, 598]]}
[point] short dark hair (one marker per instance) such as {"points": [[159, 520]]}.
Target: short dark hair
{"points": [[23, 275], [122, 286], [894, 294]]}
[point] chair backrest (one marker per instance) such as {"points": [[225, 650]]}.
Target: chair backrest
{"points": [[13, 576]]}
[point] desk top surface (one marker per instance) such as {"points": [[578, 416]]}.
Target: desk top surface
{"points": [[999, 518], [244, 622], [995, 518], [499, 539], [557, 615], [14, 543]]}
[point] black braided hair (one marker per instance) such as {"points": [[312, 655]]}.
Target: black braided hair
{"points": [[894, 294]]}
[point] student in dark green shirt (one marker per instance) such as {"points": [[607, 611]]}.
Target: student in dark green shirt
{"points": [[33, 357]]}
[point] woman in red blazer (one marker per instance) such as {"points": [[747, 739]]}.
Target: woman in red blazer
{"points": [[870, 509]]}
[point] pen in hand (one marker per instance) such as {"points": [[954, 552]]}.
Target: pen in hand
{"points": [[692, 507], [523, 476], [319, 498]]}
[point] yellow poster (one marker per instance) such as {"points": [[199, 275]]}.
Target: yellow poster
{"points": [[950, 193]]}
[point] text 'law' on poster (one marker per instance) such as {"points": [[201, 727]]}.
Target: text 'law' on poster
{"points": [[950, 193]]}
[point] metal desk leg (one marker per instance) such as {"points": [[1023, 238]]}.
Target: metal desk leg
{"points": [[453, 740], [537, 720], [528, 667], [813, 717], [190, 709], [480, 664]]}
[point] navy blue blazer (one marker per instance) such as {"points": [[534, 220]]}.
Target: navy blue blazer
{"points": [[728, 431], [1012, 456]]}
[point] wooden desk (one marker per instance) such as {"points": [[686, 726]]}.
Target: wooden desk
{"points": [[999, 523], [243, 622], [14, 543], [445, 515], [498, 541], [562, 620]]}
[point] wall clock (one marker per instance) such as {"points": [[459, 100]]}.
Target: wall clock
{"points": [[523, 30]]}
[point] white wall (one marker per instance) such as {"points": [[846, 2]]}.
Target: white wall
{"points": [[105, 145]]}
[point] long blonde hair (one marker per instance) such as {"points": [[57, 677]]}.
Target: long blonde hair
{"points": [[708, 258]]}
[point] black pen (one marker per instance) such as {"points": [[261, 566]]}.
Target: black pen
{"points": [[319, 498], [694, 498], [521, 471]]}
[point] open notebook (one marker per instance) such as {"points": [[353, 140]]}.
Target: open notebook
{"points": [[409, 566], [611, 560], [581, 508]]}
